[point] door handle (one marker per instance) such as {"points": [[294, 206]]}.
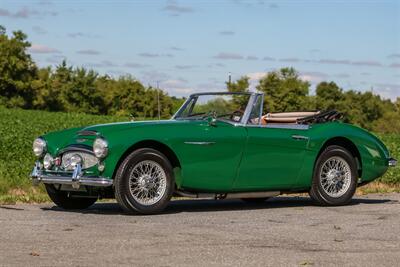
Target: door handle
{"points": [[299, 137], [199, 143]]}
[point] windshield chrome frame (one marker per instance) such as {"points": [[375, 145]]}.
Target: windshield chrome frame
{"points": [[246, 114]]}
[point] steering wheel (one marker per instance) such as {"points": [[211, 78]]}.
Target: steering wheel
{"points": [[236, 115]]}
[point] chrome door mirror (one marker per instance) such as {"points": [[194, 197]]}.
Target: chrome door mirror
{"points": [[212, 121]]}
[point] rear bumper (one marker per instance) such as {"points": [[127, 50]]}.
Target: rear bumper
{"points": [[392, 162], [75, 180]]}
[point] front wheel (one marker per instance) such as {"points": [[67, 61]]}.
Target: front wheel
{"points": [[335, 177], [63, 200], [144, 182]]}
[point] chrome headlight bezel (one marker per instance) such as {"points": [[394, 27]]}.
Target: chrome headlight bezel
{"points": [[39, 147], [100, 147]]}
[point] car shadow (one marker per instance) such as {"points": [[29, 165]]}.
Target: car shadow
{"points": [[207, 205]]}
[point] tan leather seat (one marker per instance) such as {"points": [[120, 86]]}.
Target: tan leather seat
{"points": [[286, 117]]}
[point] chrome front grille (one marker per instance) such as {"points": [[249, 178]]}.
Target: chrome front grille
{"points": [[89, 160]]}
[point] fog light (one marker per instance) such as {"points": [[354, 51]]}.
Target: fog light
{"points": [[48, 161]]}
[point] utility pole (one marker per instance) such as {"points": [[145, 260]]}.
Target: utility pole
{"points": [[158, 101]]}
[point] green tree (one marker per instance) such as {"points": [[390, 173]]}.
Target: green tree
{"points": [[177, 103], [240, 85], [328, 96], [17, 70], [284, 91]]}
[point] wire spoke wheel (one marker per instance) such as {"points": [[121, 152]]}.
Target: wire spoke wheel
{"points": [[335, 176], [147, 182]]}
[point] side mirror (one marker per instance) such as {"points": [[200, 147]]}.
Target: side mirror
{"points": [[212, 121]]}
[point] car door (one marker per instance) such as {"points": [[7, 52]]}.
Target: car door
{"points": [[210, 155], [273, 157]]}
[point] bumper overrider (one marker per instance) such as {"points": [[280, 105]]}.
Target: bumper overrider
{"points": [[392, 162], [75, 180]]}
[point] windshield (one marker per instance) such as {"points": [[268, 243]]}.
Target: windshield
{"points": [[228, 107]]}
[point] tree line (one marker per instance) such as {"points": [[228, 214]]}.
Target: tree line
{"points": [[65, 88], [24, 85], [285, 91]]}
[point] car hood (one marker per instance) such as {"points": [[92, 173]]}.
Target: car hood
{"points": [[86, 135]]}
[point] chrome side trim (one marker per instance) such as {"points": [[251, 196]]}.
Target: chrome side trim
{"points": [[392, 162], [300, 137], [252, 194], [199, 143], [281, 126], [76, 179], [228, 195]]}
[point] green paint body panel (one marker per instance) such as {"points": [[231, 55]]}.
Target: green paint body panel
{"points": [[271, 159], [227, 157]]}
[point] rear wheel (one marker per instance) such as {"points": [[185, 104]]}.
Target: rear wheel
{"points": [[144, 182], [335, 177], [65, 201]]}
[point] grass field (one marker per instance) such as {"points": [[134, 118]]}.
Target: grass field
{"points": [[18, 129]]}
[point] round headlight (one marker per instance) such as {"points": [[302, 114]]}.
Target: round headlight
{"points": [[48, 161], [39, 147], [100, 147]]}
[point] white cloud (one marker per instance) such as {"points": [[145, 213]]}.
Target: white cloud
{"points": [[313, 76], [256, 75], [255, 78], [388, 90], [42, 49], [227, 32], [177, 87], [39, 30], [225, 55], [88, 52], [174, 9]]}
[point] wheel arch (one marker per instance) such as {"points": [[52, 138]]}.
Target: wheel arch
{"points": [[347, 144], [156, 145]]}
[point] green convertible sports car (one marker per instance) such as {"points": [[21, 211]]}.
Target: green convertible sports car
{"points": [[218, 145]]}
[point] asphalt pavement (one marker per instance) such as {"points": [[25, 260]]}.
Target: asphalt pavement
{"points": [[284, 231]]}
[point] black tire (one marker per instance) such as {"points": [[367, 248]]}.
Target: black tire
{"points": [[121, 182], [318, 194], [255, 200], [62, 200]]}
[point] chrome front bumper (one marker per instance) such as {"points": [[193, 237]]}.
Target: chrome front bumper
{"points": [[75, 180], [392, 162]]}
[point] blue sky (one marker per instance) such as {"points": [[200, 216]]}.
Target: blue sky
{"points": [[191, 46]]}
